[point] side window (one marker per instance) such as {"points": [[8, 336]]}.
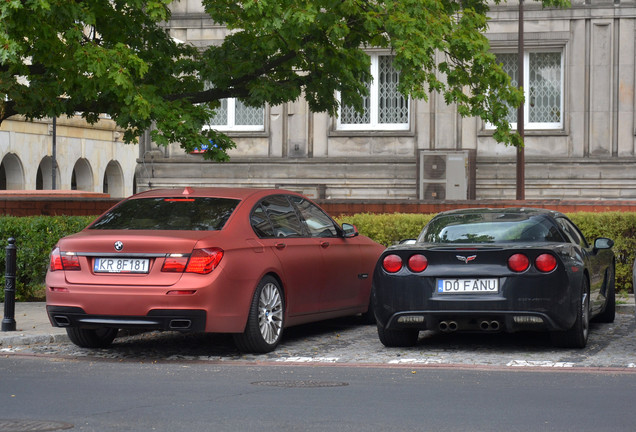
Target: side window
{"points": [[283, 217], [572, 232], [319, 224], [260, 223]]}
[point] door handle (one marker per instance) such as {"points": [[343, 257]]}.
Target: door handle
{"points": [[324, 244], [280, 245]]}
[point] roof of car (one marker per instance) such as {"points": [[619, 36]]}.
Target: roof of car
{"points": [[506, 210], [223, 192]]}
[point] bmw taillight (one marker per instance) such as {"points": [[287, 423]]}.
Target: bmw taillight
{"points": [[201, 261], [63, 260], [545, 263], [417, 263], [518, 263], [392, 263]]}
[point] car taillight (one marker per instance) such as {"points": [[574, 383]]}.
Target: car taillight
{"points": [[63, 260], [392, 263], [518, 263], [417, 263], [201, 261], [545, 263]]}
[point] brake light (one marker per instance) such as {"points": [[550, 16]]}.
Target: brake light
{"points": [[201, 261], [175, 264], [392, 263], [417, 263], [63, 260], [518, 263], [545, 263]]}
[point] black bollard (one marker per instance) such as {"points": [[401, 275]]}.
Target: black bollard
{"points": [[8, 323]]}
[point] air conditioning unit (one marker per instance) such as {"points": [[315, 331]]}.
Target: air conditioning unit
{"points": [[446, 175]]}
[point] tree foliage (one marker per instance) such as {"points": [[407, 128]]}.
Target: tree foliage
{"points": [[61, 57]]}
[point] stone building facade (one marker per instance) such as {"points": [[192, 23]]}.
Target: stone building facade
{"points": [[88, 158], [580, 128]]}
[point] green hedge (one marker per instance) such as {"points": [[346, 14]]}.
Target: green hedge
{"points": [[35, 237]]}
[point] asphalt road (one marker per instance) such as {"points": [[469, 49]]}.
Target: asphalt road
{"points": [[103, 396]]}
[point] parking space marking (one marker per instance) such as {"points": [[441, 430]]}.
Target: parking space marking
{"points": [[417, 361], [535, 363], [308, 359]]}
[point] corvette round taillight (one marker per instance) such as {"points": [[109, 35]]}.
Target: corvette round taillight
{"points": [[518, 263], [392, 263], [417, 263], [545, 262]]}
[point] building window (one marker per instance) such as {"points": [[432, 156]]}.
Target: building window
{"points": [[543, 87], [384, 108], [233, 115]]}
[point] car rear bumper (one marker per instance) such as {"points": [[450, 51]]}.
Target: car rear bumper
{"points": [[157, 319], [471, 320]]}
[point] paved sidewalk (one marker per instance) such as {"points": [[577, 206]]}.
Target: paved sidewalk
{"points": [[33, 326]]}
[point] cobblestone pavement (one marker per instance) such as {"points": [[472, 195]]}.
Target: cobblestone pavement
{"points": [[346, 341]]}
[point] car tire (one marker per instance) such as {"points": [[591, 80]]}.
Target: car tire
{"points": [[576, 337], [609, 313], [397, 338], [92, 338], [265, 321], [368, 317]]}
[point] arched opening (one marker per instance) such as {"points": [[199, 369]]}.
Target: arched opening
{"points": [[82, 176], [11, 173], [44, 179], [113, 180]]}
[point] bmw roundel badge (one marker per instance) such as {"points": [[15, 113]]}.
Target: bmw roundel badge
{"points": [[119, 246]]}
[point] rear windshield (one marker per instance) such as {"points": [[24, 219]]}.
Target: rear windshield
{"points": [[490, 228], [185, 214]]}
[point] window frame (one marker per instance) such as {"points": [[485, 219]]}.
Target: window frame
{"points": [[551, 126], [231, 125], [374, 112]]}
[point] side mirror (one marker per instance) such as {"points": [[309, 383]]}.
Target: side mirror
{"points": [[603, 243], [349, 230]]}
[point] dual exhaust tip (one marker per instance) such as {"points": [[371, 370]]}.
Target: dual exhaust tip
{"points": [[452, 326], [175, 324]]}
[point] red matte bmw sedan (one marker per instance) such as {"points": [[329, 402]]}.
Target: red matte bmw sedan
{"points": [[250, 262]]}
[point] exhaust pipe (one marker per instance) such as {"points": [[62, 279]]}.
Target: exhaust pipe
{"points": [[490, 325], [62, 321], [180, 324], [448, 327]]}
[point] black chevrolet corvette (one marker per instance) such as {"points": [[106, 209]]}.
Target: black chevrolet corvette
{"points": [[487, 270]]}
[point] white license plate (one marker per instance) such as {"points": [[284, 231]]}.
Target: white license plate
{"points": [[121, 265], [463, 286]]}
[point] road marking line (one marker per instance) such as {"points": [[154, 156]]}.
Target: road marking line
{"points": [[536, 363], [417, 361], [308, 359]]}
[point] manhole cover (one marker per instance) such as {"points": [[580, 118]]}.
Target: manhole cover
{"points": [[32, 425], [301, 384]]}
